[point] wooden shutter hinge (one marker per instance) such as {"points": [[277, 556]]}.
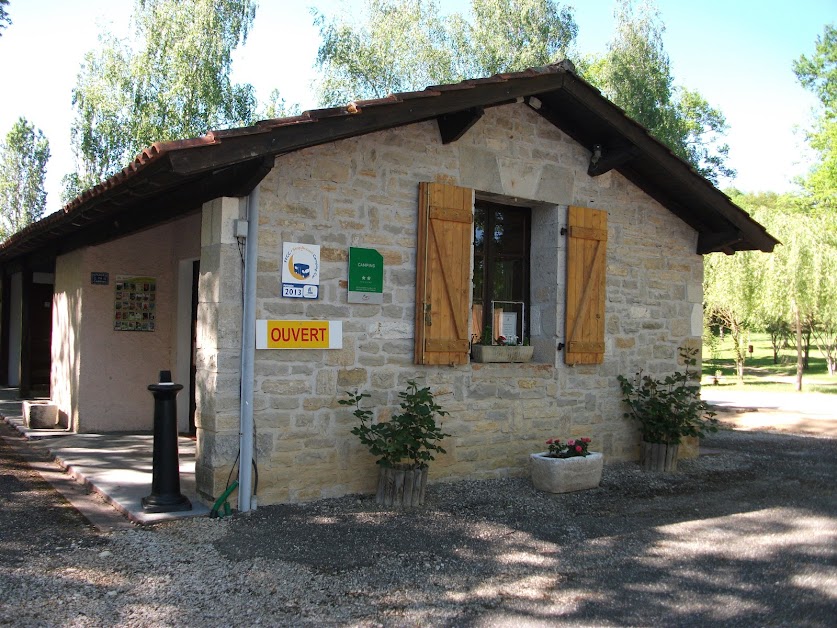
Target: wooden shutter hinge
{"points": [[563, 231]]}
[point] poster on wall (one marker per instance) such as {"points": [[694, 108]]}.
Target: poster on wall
{"points": [[300, 270], [135, 304]]}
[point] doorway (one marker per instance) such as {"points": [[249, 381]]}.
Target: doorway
{"points": [[40, 338], [193, 366], [186, 344]]}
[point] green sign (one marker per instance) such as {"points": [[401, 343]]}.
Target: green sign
{"points": [[366, 276]]}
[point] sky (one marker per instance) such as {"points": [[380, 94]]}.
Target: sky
{"points": [[737, 53]]}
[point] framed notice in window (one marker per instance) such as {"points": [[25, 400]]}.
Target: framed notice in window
{"points": [[135, 304]]}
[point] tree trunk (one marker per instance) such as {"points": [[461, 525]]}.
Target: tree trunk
{"points": [[799, 363], [739, 353]]}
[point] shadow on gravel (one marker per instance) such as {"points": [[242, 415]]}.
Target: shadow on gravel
{"points": [[747, 535]]}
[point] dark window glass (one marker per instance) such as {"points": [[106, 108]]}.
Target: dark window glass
{"points": [[501, 267]]}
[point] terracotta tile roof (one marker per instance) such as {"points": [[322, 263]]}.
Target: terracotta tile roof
{"points": [[232, 161]]}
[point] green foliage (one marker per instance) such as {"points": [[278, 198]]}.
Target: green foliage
{"points": [[23, 158], [753, 290], [412, 435], [404, 45], [668, 409], [510, 35], [174, 85], [276, 107], [4, 15], [731, 294], [765, 374], [818, 74], [635, 74], [487, 336], [573, 448]]}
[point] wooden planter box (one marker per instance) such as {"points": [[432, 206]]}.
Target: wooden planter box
{"points": [[564, 475], [658, 457], [401, 487], [502, 353]]}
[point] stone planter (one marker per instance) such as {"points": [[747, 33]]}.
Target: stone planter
{"points": [[658, 457], [564, 475], [502, 353], [40, 415], [401, 486]]}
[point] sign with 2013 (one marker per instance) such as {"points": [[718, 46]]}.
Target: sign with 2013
{"points": [[300, 270]]}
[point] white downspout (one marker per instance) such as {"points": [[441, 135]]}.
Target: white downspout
{"points": [[248, 349]]}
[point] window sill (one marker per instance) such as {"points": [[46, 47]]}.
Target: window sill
{"points": [[501, 354]]}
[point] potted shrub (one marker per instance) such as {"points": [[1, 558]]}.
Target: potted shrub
{"points": [[667, 410], [501, 349], [566, 467], [404, 444]]}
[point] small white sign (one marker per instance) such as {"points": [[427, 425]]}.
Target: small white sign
{"points": [[300, 270], [509, 324]]}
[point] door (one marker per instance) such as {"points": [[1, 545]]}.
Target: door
{"points": [[40, 337], [193, 368]]}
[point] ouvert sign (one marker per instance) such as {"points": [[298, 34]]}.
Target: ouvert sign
{"points": [[299, 334]]}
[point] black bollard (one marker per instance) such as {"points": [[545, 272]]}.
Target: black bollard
{"points": [[165, 474]]}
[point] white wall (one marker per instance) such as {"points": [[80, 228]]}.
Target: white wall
{"points": [[99, 375]]}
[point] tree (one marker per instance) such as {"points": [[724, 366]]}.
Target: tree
{"points": [[23, 158], [5, 20], [277, 107], [174, 84], [730, 288], [818, 74], [635, 74], [792, 288], [405, 45]]}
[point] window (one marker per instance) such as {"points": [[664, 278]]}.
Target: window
{"points": [[501, 271], [449, 221]]}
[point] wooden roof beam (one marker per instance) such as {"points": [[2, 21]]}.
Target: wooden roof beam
{"points": [[606, 158], [454, 125], [719, 242]]}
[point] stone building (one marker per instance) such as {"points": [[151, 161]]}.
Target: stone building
{"points": [[523, 205]]}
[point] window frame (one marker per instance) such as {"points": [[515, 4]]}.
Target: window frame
{"points": [[489, 256]]}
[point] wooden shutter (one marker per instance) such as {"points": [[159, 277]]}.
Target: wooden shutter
{"points": [[586, 265], [443, 273]]}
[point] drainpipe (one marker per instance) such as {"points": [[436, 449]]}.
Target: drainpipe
{"points": [[248, 349]]}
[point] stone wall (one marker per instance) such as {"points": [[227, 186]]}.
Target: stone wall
{"points": [[364, 192], [218, 345]]}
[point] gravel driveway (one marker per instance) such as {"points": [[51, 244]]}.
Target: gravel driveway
{"points": [[744, 536]]}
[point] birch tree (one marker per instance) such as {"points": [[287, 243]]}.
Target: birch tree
{"points": [[171, 81], [390, 46], [635, 73], [23, 159], [818, 74]]}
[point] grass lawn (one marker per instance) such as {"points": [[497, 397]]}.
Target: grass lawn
{"points": [[759, 371]]}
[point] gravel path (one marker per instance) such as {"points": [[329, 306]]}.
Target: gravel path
{"points": [[746, 536]]}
